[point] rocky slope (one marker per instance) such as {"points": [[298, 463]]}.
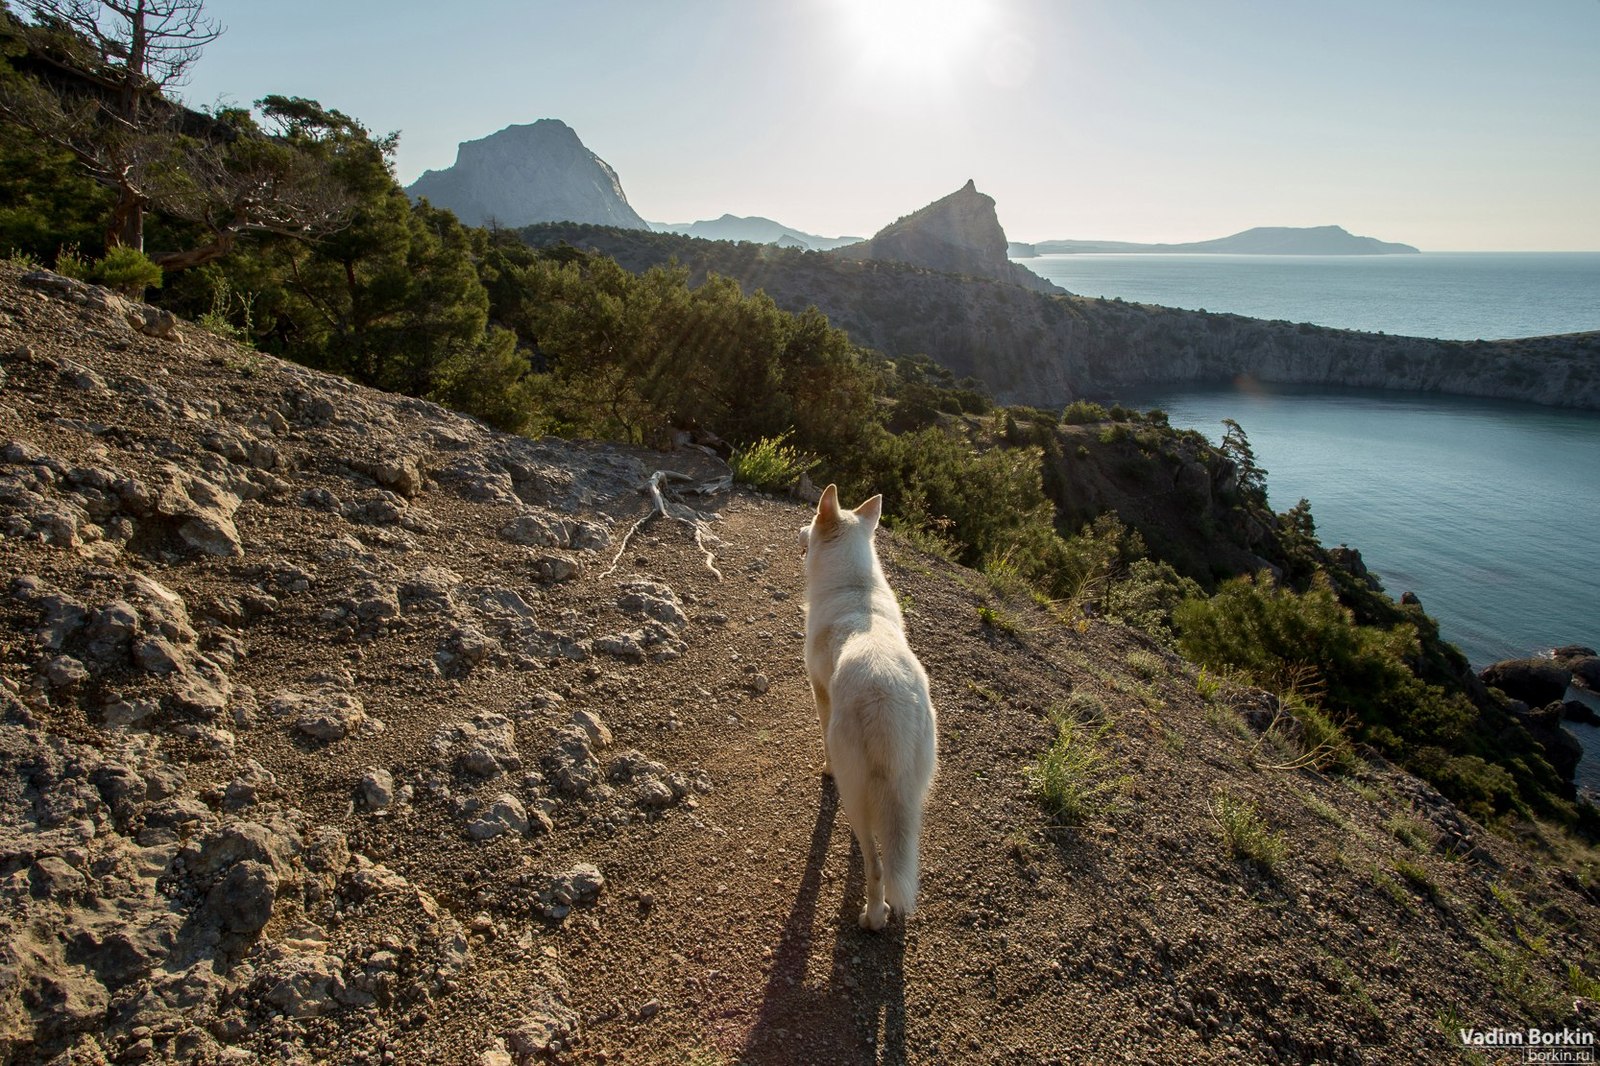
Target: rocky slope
{"points": [[1043, 350], [539, 172], [958, 234], [339, 728]]}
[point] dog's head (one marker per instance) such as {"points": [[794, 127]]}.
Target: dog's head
{"points": [[832, 523]]}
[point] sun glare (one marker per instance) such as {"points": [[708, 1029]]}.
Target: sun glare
{"points": [[923, 39]]}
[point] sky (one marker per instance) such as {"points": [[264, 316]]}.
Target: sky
{"points": [[1446, 124]]}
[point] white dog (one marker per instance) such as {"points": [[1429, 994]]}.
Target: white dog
{"points": [[878, 725]]}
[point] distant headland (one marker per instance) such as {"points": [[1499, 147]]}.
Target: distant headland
{"points": [[1262, 240]]}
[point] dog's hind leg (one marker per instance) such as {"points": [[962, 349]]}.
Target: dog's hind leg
{"points": [[875, 913]]}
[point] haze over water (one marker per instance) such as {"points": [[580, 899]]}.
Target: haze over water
{"points": [[1453, 295]]}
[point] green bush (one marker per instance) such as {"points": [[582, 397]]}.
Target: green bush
{"points": [[1146, 595], [1083, 413], [1245, 833], [771, 464], [70, 263], [127, 271], [1307, 643]]}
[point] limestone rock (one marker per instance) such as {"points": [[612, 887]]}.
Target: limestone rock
{"points": [[377, 789], [538, 172], [503, 814], [327, 714], [1583, 662], [484, 747], [959, 234]]}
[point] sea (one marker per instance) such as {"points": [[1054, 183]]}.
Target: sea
{"points": [[1489, 511], [1451, 295]]}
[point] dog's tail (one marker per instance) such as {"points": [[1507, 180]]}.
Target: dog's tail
{"points": [[899, 829]]}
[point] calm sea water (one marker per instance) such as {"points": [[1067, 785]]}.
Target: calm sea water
{"points": [[1454, 295]]}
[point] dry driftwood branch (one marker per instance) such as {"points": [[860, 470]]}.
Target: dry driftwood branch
{"points": [[655, 487]]}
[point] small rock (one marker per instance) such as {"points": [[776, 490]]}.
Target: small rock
{"points": [[65, 672], [505, 814], [654, 793], [654, 600], [242, 901], [51, 877], [555, 568], [579, 886], [158, 656], [532, 1039], [377, 789], [590, 723]]}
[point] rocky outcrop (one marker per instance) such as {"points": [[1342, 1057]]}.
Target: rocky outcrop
{"points": [[539, 172], [1561, 748], [1536, 682], [1583, 662], [959, 234]]}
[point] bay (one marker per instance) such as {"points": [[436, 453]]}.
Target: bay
{"points": [[1488, 511], [1450, 295]]}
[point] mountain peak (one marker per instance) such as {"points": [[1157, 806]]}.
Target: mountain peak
{"points": [[956, 234], [529, 172]]}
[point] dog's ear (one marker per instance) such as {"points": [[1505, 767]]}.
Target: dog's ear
{"points": [[871, 511], [828, 507]]}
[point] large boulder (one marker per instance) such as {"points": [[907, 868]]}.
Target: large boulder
{"points": [[1536, 682], [1583, 662]]}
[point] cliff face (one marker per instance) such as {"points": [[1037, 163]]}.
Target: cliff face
{"points": [[959, 234], [539, 172], [1045, 350]]}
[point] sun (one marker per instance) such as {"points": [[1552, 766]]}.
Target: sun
{"points": [[914, 39]]}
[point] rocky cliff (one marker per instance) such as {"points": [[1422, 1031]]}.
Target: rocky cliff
{"points": [[539, 172], [958, 234], [336, 727], [1044, 350]]}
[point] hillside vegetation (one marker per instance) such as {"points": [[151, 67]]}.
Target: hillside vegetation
{"points": [[1045, 351]]}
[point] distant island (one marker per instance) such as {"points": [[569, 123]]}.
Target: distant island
{"points": [[1262, 240]]}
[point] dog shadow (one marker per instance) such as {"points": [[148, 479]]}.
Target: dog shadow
{"points": [[859, 1015]]}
